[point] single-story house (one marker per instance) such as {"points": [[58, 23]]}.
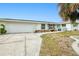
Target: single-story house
{"points": [[19, 25]]}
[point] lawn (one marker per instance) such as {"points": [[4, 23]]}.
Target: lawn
{"points": [[58, 44]]}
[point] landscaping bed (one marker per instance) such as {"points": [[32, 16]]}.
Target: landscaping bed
{"points": [[58, 44]]}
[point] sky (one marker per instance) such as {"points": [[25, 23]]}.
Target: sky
{"points": [[30, 11]]}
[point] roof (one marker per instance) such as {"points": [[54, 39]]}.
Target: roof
{"points": [[23, 20], [63, 22]]}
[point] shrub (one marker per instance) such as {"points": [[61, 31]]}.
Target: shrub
{"points": [[2, 29]]}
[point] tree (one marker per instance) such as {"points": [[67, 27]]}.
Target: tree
{"points": [[69, 11]]}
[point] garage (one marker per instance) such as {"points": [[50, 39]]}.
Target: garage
{"points": [[17, 27]]}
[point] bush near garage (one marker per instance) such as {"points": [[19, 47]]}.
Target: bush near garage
{"points": [[2, 29]]}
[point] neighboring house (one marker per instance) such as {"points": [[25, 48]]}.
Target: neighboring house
{"points": [[18, 25]]}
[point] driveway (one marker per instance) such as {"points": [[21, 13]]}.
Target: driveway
{"points": [[26, 44]]}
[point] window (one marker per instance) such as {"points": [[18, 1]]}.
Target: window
{"points": [[42, 26], [63, 25], [58, 26], [50, 26]]}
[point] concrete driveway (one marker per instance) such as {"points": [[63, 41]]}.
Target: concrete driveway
{"points": [[27, 44]]}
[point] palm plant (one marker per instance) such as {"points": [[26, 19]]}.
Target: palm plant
{"points": [[68, 11]]}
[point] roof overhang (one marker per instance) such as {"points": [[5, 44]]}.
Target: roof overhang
{"points": [[26, 21]]}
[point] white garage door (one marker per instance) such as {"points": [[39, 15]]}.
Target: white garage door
{"points": [[19, 27]]}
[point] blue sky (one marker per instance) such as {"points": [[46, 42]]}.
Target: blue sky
{"points": [[30, 11]]}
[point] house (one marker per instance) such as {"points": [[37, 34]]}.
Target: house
{"points": [[19, 25]]}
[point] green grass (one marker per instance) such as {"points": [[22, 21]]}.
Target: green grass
{"points": [[57, 44]]}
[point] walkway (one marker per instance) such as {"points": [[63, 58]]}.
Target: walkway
{"points": [[75, 44]]}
